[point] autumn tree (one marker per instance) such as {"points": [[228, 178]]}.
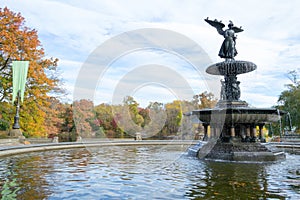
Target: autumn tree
{"points": [[204, 100], [105, 117], [107, 121], [19, 42], [68, 124], [145, 113], [174, 116], [127, 116], [84, 117], [55, 117]]}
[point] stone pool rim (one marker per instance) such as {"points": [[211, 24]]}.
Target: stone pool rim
{"points": [[22, 149]]}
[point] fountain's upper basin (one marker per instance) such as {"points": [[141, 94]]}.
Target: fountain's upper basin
{"points": [[231, 68], [240, 115]]}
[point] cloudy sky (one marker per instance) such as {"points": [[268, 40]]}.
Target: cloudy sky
{"points": [[78, 31]]}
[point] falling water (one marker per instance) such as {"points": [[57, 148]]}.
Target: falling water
{"points": [[290, 121], [280, 122]]}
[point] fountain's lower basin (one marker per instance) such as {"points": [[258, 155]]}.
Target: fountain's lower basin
{"points": [[236, 133], [141, 172]]}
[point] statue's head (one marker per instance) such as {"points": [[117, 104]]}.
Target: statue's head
{"points": [[230, 25]]}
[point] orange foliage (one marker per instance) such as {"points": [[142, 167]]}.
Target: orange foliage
{"points": [[18, 42]]}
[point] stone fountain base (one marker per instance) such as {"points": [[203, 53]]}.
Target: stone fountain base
{"points": [[238, 151]]}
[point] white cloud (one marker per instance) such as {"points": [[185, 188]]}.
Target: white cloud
{"points": [[71, 30], [127, 65]]}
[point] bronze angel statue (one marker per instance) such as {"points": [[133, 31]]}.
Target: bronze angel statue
{"points": [[228, 50]]}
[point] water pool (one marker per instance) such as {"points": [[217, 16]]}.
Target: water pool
{"points": [[143, 172]]}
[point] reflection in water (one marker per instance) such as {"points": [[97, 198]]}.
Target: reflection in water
{"points": [[18, 181], [234, 180], [143, 172]]}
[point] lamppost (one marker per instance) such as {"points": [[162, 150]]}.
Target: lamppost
{"points": [[16, 124]]}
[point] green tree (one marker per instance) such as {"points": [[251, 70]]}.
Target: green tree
{"points": [[289, 100], [5, 116], [134, 110], [18, 42], [155, 106], [174, 116], [176, 124]]}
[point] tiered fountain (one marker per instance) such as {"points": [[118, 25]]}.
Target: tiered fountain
{"points": [[233, 133]]}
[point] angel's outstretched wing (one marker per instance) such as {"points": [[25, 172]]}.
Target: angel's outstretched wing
{"points": [[237, 29], [217, 24]]}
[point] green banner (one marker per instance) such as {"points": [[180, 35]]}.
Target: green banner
{"points": [[20, 69]]}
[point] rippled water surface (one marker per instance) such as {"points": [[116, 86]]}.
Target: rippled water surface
{"points": [[143, 172]]}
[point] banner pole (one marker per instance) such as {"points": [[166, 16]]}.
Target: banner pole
{"points": [[16, 124]]}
